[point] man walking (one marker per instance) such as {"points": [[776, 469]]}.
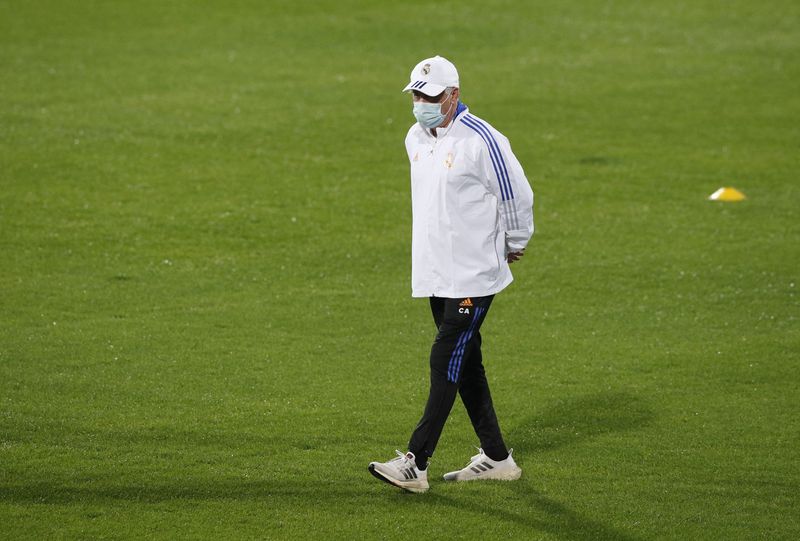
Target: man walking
{"points": [[472, 216]]}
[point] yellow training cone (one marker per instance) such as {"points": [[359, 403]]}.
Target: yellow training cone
{"points": [[727, 194]]}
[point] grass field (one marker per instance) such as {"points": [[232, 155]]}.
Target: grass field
{"points": [[207, 329]]}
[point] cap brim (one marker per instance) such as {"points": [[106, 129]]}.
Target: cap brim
{"points": [[429, 89]]}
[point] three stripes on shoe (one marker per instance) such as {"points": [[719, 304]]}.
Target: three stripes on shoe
{"points": [[410, 474], [482, 467]]}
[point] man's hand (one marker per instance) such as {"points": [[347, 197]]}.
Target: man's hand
{"points": [[514, 256]]}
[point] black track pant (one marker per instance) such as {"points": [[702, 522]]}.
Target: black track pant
{"points": [[457, 367]]}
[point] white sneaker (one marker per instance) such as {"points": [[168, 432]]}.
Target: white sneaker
{"points": [[483, 467], [401, 472]]}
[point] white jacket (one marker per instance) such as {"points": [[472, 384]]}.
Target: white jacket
{"points": [[471, 205]]}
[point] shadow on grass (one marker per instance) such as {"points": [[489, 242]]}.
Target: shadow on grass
{"points": [[208, 489], [571, 421], [568, 422], [546, 515]]}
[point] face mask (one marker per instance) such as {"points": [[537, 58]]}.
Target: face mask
{"points": [[429, 115]]}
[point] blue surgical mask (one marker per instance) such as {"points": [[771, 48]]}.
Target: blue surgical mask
{"points": [[429, 115]]}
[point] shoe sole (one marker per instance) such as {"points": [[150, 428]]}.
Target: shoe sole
{"points": [[511, 476], [392, 482]]}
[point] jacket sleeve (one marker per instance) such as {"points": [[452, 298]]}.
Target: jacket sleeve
{"points": [[514, 194]]}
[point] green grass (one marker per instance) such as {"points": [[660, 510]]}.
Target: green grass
{"points": [[205, 231]]}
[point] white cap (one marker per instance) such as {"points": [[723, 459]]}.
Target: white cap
{"points": [[432, 76]]}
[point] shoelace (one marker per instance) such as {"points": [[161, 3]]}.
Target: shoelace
{"points": [[401, 457], [481, 454], [476, 457]]}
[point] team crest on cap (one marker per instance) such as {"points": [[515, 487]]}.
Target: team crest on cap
{"points": [[426, 69]]}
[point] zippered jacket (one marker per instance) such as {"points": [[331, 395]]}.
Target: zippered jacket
{"points": [[471, 205]]}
